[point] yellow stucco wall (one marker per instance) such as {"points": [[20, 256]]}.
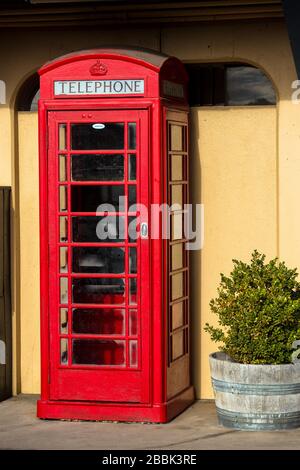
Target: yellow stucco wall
{"points": [[29, 252], [233, 163], [245, 166], [5, 142]]}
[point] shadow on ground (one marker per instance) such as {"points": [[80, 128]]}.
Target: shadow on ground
{"points": [[196, 428]]}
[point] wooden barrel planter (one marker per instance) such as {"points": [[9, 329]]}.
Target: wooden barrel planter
{"points": [[255, 397]]}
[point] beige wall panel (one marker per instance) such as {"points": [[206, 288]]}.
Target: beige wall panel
{"points": [[5, 147], [29, 253]]}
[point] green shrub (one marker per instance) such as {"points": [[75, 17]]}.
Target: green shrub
{"points": [[258, 309]]}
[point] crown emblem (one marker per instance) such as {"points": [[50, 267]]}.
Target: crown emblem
{"points": [[98, 68]]}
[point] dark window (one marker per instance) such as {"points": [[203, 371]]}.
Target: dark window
{"points": [[100, 167], [89, 198], [229, 85], [91, 137], [98, 260], [29, 94], [35, 101], [248, 86]]}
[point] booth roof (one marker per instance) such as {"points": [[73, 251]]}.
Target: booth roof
{"points": [[147, 56]]}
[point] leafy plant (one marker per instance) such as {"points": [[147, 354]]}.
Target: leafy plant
{"points": [[258, 309]]}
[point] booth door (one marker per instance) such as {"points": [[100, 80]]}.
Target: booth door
{"points": [[98, 263]]}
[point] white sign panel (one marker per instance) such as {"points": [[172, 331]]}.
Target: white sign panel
{"points": [[98, 87]]}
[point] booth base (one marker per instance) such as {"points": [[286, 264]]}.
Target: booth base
{"points": [[95, 411]]}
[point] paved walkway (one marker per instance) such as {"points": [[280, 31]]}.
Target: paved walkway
{"points": [[196, 428]]}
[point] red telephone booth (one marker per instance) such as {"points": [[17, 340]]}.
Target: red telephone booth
{"points": [[114, 295]]}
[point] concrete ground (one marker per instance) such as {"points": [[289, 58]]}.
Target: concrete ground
{"points": [[196, 428]]}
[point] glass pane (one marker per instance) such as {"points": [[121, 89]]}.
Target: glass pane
{"points": [[133, 353], [64, 321], [177, 194], [132, 135], [63, 198], [177, 315], [132, 260], [96, 229], [63, 259], [177, 226], [131, 195], [98, 260], [132, 291], [131, 167], [63, 290], [177, 345], [63, 229], [98, 352], [62, 137], [99, 291], [176, 137], [247, 85], [89, 198], [177, 256], [102, 321], [133, 323], [62, 168], [107, 136], [64, 351], [177, 167], [177, 282], [98, 167], [132, 229]]}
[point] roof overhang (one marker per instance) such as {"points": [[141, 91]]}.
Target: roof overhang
{"points": [[64, 13]]}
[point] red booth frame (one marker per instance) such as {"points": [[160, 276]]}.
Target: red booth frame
{"points": [[159, 409]]}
